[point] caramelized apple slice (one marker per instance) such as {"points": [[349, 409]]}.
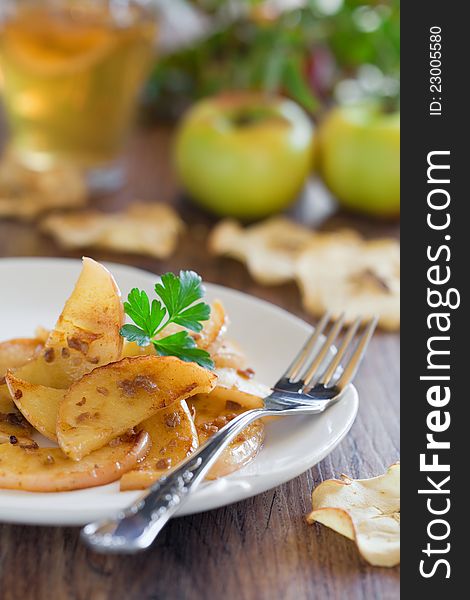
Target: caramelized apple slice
{"points": [[86, 334], [115, 398], [38, 403], [133, 349], [14, 353], [237, 386], [214, 327], [211, 413], [226, 354], [49, 470], [173, 437], [13, 426], [240, 452]]}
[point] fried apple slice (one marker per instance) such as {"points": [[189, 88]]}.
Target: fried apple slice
{"points": [[226, 354], [49, 470], [132, 349], [238, 387], [13, 426], [14, 353], [214, 327], [115, 398], [174, 438], [86, 334], [38, 403], [41, 333], [211, 413]]}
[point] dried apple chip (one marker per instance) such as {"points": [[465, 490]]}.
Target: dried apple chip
{"points": [[49, 470], [174, 438], [25, 194], [269, 249], [86, 334], [364, 510], [115, 398], [143, 228], [355, 276]]}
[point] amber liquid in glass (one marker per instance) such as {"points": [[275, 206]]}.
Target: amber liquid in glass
{"points": [[71, 77]]}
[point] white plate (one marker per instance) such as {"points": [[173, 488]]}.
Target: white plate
{"points": [[33, 291]]}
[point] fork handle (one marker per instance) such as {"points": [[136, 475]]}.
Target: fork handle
{"points": [[137, 527]]}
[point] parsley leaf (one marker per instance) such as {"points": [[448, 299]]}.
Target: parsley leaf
{"points": [[176, 303], [191, 317], [144, 316], [135, 334], [183, 346]]}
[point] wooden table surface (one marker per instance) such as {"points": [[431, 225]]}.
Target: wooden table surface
{"points": [[257, 549]]}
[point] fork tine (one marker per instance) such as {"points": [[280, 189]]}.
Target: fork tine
{"points": [[313, 368], [331, 370], [351, 368], [299, 360]]}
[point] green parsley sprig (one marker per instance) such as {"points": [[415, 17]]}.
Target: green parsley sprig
{"points": [[177, 303]]}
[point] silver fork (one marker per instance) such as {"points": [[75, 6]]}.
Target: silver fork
{"points": [[312, 383]]}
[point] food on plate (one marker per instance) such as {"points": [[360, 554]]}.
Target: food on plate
{"points": [[244, 155], [238, 385], [211, 413], [173, 436], [206, 339], [228, 354], [113, 396], [13, 425], [269, 249], [142, 228], [361, 278], [49, 470], [213, 328], [14, 353], [364, 510], [41, 333], [359, 155], [86, 334], [37, 403], [25, 194], [117, 397]]}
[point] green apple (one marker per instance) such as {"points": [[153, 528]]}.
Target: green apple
{"points": [[359, 155], [243, 154]]}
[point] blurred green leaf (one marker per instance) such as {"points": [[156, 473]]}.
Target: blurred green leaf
{"points": [[261, 52], [297, 87]]}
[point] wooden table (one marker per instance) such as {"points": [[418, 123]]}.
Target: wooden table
{"points": [[257, 549]]}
